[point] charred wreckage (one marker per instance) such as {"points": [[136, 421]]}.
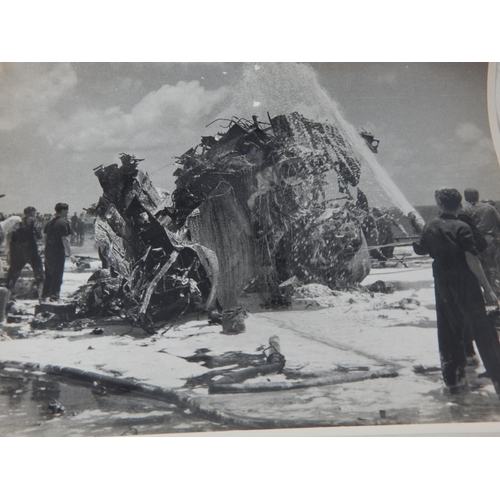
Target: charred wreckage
{"points": [[250, 210]]}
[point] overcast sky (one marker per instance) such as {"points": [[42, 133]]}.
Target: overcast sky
{"points": [[58, 121]]}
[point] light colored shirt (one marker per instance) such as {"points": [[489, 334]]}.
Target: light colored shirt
{"points": [[486, 218]]}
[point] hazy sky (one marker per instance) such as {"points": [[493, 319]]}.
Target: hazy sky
{"points": [[58, 121]]}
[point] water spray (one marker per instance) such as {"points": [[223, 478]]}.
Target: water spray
{"points": [[284, 88]]}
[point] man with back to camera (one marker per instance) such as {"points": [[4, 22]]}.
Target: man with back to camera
{"points": [[481, 245], [487, 220], [57, 248], [458, 278], [24, 250]]}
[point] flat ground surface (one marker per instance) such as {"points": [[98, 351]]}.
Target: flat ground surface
{"points": [[323, 335]]}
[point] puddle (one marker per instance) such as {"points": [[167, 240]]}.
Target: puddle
{"points": [[32, 406]]}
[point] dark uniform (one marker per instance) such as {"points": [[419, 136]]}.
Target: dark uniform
{"points": [[75, 221], [487, 220], [55, 255], [481, 245], [459, 300], [81, 231], [23, 250]]}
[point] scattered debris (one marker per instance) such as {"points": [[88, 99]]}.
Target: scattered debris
{"points": [[82, 262], [80, 324], [132, 431], [370, 140], [260, 386], [313, 290], [4, 298], [380, 287], [17, 309], [56, 407], [238, 358], [273, 353], [15, 319], [229, 381], [99, 390], [233, 321], [275, 361], [405, 304], [426, 369], [46, 321], [214, 317], [346, 369], [65, 312]]}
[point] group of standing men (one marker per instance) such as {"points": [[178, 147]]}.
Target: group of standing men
{"points": [[23, 249], [464, 242]]}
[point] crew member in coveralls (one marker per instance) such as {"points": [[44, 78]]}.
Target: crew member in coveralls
{"points": [[458, 278], [57, 248], [24, 250]]}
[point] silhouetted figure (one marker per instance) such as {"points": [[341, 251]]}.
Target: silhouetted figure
{"points": [[458, 278], [24, 250], [487, 220], [57, 248]]}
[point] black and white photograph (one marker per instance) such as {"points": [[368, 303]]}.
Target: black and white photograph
{"points": [[208, 247]]}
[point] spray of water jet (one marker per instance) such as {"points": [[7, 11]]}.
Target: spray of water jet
{"points": [[284, 88]]}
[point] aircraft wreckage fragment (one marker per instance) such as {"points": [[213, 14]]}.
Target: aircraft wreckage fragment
{"points": [[249, 208], [256, 195], [147, 275]]}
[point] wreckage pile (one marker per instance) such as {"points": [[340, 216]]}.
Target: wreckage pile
{"points": [[147, 275], [253, 205], [257, 195]]}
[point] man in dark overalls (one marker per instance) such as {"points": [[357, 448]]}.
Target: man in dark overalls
{"points": [[57, 248], [24, 250], [458, 278], [487, 220]]}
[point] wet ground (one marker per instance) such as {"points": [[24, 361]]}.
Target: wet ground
{"points": [[43, 405], [353, 330]]}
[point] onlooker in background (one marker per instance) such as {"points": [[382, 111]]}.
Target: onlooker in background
{"points": [[369, 227], [24, 250], [7, 226], [57, 248], [81, 229], [10, 223], [74, 228], [490, 202], [385, 221], [487, 220], [39, 219]]}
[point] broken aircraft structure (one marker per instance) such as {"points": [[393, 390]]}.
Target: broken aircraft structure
{"points": [[252, 207]]}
